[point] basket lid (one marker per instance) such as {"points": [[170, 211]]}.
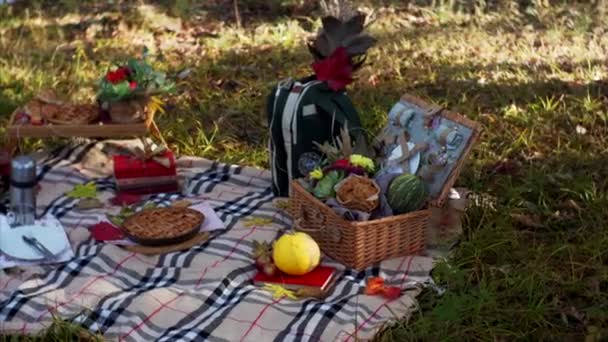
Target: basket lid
{"points": [[442, 142]]}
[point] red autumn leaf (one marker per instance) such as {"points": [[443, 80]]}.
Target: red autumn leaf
{"points": [[375, 285], [105, 231], [391, 292], [125, 199], [336, 69]]}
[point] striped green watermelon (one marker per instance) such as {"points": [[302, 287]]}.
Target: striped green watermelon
{"points": [[406, 193]]}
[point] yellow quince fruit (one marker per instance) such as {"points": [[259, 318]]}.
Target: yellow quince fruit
{"points": [[296, 253]]}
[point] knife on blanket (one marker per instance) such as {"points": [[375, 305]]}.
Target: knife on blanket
{"points": [[34, 243]]}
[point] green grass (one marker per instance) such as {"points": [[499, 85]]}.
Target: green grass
{"points": [[533, 263]]}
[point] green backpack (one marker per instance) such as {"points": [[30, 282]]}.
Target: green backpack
{"points": [[301, 113], [315, 109]]}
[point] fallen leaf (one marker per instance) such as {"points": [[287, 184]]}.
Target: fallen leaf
{"points": [[149, 205], [375, 286], [279, 291], [532, 221], [257, 221], [311, 292], [88, 190], [391, 292], [89, 203], [116, 220], [105, 231], [181, 204], [282, 204]]}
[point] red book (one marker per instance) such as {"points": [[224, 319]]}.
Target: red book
{"points": [[133, 167], [136, 176], [319, 278]]}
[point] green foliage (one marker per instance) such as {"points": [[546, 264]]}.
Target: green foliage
{"points": [[325, 186], [140, 80]]}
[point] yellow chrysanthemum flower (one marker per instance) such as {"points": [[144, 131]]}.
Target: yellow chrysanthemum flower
{"points": [[316, 174], [361, 161]]}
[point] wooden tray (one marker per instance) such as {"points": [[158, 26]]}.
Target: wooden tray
{"points": [[96, 130], [150, 250]]}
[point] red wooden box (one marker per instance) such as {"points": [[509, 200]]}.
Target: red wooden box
{"points": [[138, 176]]}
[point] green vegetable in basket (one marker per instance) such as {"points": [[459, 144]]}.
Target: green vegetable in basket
{"points": [[325, 186], [406, 193]]}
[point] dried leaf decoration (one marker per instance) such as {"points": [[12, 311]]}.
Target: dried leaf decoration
{"points": [[118, 219], [257, 221], [307, 292], [343, 29], [279, 291], [149, 205], [181, 204], [281, 204], [155, 105], [375, 286], [88, 190]]}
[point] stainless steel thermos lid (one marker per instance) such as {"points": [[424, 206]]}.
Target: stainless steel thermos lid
{"points": [[23, 172]]}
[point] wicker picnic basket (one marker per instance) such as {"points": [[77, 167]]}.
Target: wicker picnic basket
{"points": [[359, 244]]}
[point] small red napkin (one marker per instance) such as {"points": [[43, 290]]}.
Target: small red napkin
{"points": [[105, 231]]}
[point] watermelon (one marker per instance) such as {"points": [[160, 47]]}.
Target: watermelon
{"points": [[406, 193]]}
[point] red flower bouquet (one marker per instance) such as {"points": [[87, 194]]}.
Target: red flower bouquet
{"points": [[134, 79]]}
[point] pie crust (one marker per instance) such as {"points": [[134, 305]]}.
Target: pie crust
{"points": [[162, 223]]}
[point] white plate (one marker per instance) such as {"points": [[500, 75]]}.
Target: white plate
{"points": [[414, 161], [49, 232]]}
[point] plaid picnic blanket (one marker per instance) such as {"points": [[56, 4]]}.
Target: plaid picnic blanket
{"points": [[204, 293]]}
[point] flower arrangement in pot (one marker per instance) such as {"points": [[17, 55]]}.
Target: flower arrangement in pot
{"points": [[346, 175], [129, 92]]}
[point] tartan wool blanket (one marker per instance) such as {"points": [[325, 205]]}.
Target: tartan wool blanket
{"points": [[201, 294]]}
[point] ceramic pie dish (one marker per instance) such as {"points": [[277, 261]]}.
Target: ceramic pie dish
{"points": [[163, 226]]}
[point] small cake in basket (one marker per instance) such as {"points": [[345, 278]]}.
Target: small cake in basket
{"points": [[358, 193]]}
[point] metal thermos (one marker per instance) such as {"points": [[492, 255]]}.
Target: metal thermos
{"points": [[23, 190]]}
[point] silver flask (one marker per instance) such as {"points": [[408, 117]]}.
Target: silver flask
{"points": [[23, 190]]}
